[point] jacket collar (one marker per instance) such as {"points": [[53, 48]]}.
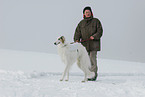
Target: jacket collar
{"points": [[88, 19]]}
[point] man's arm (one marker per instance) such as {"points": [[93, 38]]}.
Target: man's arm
{"points": [[99, 32], [77, 34]]}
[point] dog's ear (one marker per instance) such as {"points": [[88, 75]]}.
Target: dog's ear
{"points": [[62, 39]]}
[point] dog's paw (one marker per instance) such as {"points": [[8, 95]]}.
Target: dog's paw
{"points": [[66, 80], [83, 81], [61, 79]]}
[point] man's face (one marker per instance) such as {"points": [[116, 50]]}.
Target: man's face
{"points": [[87, 13]]}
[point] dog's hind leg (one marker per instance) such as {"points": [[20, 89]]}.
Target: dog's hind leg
{"points": [[79, 65]]}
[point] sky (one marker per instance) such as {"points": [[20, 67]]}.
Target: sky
{"points": [[34, 25]]}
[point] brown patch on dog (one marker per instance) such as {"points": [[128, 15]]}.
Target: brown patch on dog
{"points": [[62, 39]]}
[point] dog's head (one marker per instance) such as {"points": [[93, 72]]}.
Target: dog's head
{"points": [[60, 40]]}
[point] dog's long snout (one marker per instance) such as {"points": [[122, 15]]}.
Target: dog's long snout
{"points": [[55, 43]]}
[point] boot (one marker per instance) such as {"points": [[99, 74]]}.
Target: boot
{"points": [[94, 78]]}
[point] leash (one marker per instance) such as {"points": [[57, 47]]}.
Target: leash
{"points": [[81, 41]]}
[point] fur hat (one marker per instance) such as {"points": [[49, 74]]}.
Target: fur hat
{"points": [[87, 8]]}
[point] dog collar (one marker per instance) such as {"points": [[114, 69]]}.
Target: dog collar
{"points": [[65, 45]]}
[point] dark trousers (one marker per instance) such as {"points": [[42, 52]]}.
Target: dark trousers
{"points": [[93, 59]]}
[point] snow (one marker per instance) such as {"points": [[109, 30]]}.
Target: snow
{"points": [[33, 74]]}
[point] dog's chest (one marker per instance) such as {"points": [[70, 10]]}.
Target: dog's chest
{"points": [[67, 54]]}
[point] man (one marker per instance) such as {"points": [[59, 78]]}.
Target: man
{"points": [[89, 32]]}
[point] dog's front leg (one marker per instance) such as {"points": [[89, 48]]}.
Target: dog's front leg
{"points": [[67, 75], [64, 73]]}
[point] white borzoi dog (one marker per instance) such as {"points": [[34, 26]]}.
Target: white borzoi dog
{"points": [[70, 53]]}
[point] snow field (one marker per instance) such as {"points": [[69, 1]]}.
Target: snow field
{"points": [[30, 74]]}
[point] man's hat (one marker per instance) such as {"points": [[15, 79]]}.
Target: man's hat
{"points": [[87, 8]]}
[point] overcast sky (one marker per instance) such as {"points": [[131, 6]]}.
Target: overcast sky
{"points": [[34, 25]]}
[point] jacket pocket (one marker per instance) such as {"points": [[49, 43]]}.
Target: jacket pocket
{"points": [[93, 29]]}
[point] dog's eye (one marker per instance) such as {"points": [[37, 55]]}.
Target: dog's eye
{"points": [[61, 37]]}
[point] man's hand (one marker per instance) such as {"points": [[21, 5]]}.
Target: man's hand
{"points": [[92, 37], [77, 41]]}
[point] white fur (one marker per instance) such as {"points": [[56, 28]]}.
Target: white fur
{"points": [[70, 53]]}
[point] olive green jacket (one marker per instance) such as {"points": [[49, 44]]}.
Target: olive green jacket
{"points": [[86, 28]]}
